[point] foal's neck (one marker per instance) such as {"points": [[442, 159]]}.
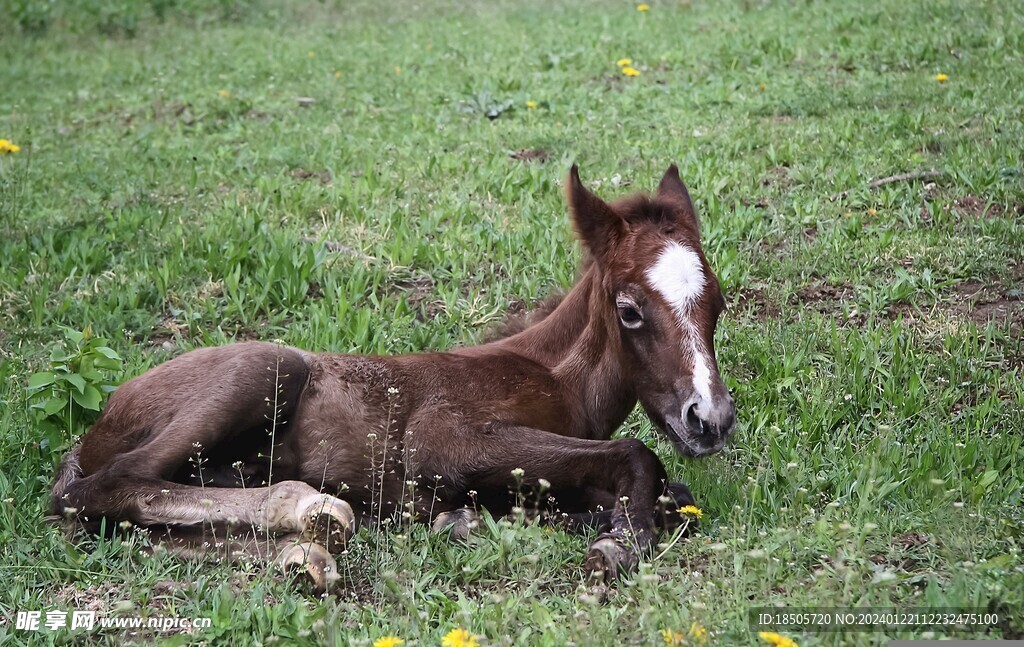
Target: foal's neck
{"points": [[580, 344]]}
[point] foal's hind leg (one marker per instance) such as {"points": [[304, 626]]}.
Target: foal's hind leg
{"points": [[458, 523], [291, 553], [288, 506], [234, 394]]}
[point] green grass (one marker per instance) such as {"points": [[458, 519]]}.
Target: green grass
{"points": [[169, 181]]}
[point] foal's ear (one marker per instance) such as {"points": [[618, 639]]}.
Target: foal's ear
{"points": [[597, 224], [672, 187]]}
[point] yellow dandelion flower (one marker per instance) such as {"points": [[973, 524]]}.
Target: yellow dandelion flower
{"points": [[763, 86], [778, 640], [623, 62], [388, 641], [459, 638], [531, 104], [630, 71], [398, 70], [643, 7], [698, 632], [8, 147], [941, 78], [872, 212], [312, 54], [673, 638], [224, 93], [691, 510], [337, 74]]}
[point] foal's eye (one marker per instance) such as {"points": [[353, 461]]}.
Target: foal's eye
{"points": [[630, 316]]}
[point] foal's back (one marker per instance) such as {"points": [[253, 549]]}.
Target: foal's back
{"points": [[323, 418]]}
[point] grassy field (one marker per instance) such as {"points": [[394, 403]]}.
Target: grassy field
{"points": [[172, 191]]}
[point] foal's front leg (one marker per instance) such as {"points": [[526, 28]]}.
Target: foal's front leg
{"points": [[666, 517], [625, 469]]}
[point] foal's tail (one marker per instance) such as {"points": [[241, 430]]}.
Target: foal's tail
{"points": [[68, 472]]}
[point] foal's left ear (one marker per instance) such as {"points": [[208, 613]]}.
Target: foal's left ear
{"points": [[597, 223], [672, 187]]}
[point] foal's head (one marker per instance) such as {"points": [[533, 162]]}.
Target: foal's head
{"points": [[665, 302]]}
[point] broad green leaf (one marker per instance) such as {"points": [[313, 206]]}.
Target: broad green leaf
{"points": [[54, 406], [58, 355], [988, 478], [77, 381], [90, 399], [108, 364], [73, 334], [39, 380], [109, 353]]}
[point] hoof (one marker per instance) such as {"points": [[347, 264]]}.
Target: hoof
{"points": [[313, 560], [458, 523], [678, 496], [681, 495], [327, 521], [608, 560]]}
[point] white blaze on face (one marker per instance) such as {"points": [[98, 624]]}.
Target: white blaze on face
{"points": [[678, 276]]}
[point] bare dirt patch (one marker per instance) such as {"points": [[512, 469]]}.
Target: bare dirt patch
{"points": [[823, 297], [911, 539], [980, 302], [420, 290], [95, 597], [530, 155], [756, 302], [170, 111], [776, 182], [1001, 310], [777, 176], [303, 175], [970, 206], [166, 332], [1001, 302]]}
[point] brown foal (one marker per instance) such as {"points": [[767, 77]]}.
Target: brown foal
{"points": [[302, 444]]}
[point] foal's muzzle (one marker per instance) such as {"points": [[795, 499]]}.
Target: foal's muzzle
{"points": [[717, 419], [701, 427]]}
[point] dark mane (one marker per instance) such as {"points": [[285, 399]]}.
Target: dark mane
{"points": [[518, 322], [634, 209], [659, 210]]}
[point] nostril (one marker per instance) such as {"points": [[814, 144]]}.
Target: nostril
{"points": [[730, 417], [696, 423], [719, 423], [726, 420], [693, 421]]}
